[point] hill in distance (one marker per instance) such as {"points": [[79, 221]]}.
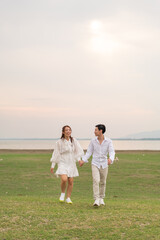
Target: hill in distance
{"points": [[144, 135]]}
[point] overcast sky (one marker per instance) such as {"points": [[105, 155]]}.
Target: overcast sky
{"points": [[79, 62]]}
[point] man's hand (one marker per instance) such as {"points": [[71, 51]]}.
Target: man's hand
{"points": [[81, 162], [109, 161], [52, 170]]}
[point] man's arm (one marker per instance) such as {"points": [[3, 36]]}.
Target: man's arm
{"points": [[111, 153], [87, 155]]}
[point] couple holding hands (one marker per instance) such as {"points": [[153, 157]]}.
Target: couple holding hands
{"points": [[68, 151]]}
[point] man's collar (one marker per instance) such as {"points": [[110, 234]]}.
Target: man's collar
{"points": [[103, 140]]}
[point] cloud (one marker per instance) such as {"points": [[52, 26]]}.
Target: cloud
{"points": [[58, 66]]}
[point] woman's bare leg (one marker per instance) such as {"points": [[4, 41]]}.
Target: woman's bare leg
{"points": [[64, 179], [70, 187]]}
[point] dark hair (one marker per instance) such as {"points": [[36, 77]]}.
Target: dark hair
{"points": [[101, 127], [63, 129]]}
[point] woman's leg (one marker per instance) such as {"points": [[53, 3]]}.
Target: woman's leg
{"points": [[70, 187], [64, 179]]}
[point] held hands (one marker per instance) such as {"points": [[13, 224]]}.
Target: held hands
{"points": [[81, 162], [52, 170], [109, 161]]}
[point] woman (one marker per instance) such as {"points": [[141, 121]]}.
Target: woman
{"points": [[67, 152]]}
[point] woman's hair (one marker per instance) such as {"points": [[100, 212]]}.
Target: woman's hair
{"points": [[63, 129]]}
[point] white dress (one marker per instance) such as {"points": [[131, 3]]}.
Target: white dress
{"points": [[66, 154]]}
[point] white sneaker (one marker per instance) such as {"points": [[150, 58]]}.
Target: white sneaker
{"points": [[96, 203], [68, 200], [101, 201], [61, 199]]}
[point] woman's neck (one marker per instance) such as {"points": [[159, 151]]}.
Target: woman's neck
{"points": [[67, 138]]}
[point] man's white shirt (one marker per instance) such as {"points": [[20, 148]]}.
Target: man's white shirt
{"points": [[100, 152]]}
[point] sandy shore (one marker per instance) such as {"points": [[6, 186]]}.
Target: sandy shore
{"points": [[41, 151]]}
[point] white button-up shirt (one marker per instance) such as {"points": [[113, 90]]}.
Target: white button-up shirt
{"points": [[100, 152]]}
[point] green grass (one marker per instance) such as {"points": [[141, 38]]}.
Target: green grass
{"points": [[30, 209]]}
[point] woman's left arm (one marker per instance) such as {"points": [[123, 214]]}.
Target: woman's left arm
{"points": [[78, 150]]}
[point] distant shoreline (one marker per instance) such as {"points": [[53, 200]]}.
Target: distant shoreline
{"points": [[79, 139], [39, 151]]}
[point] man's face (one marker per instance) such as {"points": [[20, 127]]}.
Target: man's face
{"points": [[97, 132]]}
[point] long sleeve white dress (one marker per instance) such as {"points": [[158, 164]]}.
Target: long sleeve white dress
{"points": [[66, 154]]}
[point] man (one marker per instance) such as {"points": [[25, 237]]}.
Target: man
{"points": [[99, 148]]}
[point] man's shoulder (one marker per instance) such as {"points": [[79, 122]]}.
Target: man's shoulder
{"points": [[107, 139], [94, 139]]}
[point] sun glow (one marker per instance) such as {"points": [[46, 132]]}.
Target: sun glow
{"points": [[96, 27], [101, 42]]}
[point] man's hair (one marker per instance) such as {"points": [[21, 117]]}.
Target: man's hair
{"points": [[101, 127]]}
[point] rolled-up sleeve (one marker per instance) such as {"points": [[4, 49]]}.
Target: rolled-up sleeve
{"points": [[78, 150], [88, 153], [111, 151], [55, 156]]}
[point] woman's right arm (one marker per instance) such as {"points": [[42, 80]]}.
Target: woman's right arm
{"points": [[55, 156]]}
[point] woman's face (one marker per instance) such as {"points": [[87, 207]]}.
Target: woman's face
{"points": [[67, 132]]}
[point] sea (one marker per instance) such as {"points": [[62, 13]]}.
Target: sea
{"points": [[49, 144]]}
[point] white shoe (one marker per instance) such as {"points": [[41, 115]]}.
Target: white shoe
{"points": [[61, 199], [101, 201], [96, 203], [68, 200]]}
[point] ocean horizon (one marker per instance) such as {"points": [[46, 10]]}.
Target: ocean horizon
{"points": [[49, 143], [121, 139]]}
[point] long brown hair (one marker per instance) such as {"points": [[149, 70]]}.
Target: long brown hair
{"points": [[63, 129]]}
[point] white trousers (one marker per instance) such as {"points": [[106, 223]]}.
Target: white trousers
{"points": [[99, 181]]}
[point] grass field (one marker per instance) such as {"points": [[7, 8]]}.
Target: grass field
{"points": [[30, 209]]}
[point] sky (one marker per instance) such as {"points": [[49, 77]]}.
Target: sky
{"points": [[79, 63]]}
